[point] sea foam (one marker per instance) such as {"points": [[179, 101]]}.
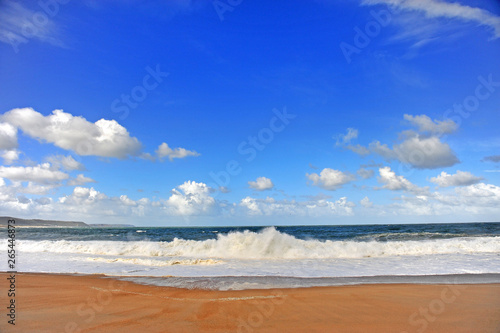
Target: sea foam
{"points": [[267, 244]]}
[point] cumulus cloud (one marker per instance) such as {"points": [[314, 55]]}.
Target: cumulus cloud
{"points": [[34, 188], [127, 201], [80, 180], [321, 207], [467, 201], [365, 202], [426, 124], [65, 162], [86, 201], [224, 189], [191, 198], [358, 149], [330, 179], [6, 193], [8, 136], [446, 10], [41, 173], [365, 173], [82, 196], [343, 139], [10, 156], [165, 151], [479, 191], [22, 199], [422, 150], [43, 201], [460, 178], [261, 184], [394, 182], [104, 138]]}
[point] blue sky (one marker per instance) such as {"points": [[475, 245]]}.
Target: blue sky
{"points": [[254, 113]]}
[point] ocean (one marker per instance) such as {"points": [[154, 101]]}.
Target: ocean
{"points": [[267, 257]]}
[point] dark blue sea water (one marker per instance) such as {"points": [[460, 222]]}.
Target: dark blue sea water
{"points": [[264, 257], [390, 232]]}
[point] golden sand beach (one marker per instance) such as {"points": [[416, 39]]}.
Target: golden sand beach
{"points": [[92, 303]]}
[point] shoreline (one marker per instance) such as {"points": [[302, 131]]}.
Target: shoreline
{"points": [[93, 303], [223, 283]]}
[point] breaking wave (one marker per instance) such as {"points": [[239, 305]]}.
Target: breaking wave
{"points": [[268, 244], [155, 263]]}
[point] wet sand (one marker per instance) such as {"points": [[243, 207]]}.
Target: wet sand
{"points": [[92, 303]]}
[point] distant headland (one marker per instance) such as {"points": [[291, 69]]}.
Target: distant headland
{"points": [[56, 224]]}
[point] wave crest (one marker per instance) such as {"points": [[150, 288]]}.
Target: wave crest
{"points": [[268, 244]]}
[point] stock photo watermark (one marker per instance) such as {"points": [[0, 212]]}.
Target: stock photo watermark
{"points": [[426, 315], [471, 103], [251, 146], [256, 318], [11, 264], [457, 113], [223, 6], [33, 26], [95, 304], [364, 36], [138, 93]]}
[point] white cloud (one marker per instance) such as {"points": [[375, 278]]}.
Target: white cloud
{"points": [[358, 149], [252, 205], [94, 204], [22, 199], [447, 10], [80, 180], [460, 178], [261, 184], [33, 188], [480, 191], [65, 162], [165, 151], [224, 189], [191, 198], [43, 201], [8, 136], [473, 201], [6, 193], [397, 183], [365, 202], [330, 179], [426, 124], [17, 25], [423, 150], [83, 196], [147, 156], [343, 139], [10, 156], [16, 187], [104, 138], [127, 201], [365, 173], [314, 208], [41, 173]]}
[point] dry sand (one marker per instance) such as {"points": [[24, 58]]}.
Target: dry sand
{"points": [[66, 303]]}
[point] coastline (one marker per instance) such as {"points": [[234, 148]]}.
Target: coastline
{"points": [[94, 303], [286, 282]]}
